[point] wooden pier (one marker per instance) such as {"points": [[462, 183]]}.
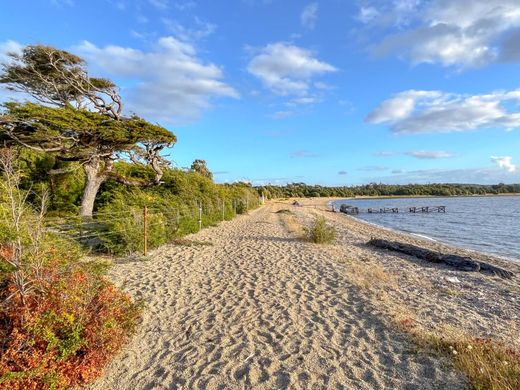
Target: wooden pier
{"points": [[347, 209]]}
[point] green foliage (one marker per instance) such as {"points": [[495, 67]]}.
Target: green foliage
{"points": [[173, 208], [200, 166], [76, 133], [60, 320], [319, 232]]}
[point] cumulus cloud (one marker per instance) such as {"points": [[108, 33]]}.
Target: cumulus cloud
{"points": [[434, 111], [169, 82], [429, 155], [309, 15], [504, 162], [287, 69], [462, 34]]}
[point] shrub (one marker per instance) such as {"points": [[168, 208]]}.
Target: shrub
{"points": [[60, 320], [320, 232], [64, 332]]}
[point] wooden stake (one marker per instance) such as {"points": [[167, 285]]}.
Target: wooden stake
{"points": [[145, 230], [200, 216]]}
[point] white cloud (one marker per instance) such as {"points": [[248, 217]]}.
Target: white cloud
{"points": [[8, 47], [160, 4], [434, 111], [309, 15], [367, 14], [426, 155], [287, 69], [201, 30], [462, 33], [167, 83], [186, 5], [504, 162]]}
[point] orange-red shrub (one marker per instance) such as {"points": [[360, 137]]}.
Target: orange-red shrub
{"points": [[63, 332]]}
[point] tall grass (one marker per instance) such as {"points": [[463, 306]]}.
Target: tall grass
{"points": [[319, 232]]}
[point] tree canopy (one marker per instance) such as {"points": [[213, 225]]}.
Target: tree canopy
{"points": [[200, 166], [78, 118]]}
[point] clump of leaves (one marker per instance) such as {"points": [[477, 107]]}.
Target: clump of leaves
{"points": [[319, 232], [64, 332]]}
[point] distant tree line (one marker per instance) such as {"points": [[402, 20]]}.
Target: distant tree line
{"points": [[303, 190]]}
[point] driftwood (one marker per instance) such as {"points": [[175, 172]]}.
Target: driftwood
{"points": [[462, 263]]}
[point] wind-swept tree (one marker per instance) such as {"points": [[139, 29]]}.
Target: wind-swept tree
{"points": [[79, 120], [200, 166]]}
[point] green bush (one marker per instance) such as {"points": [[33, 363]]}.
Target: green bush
{"points": [[320, 233]]}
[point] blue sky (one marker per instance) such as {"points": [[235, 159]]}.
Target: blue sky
{"points": [[335, 92]]}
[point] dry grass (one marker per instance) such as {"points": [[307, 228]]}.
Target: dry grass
{"points": [[319, 232], [486, 363], [370, 275]]}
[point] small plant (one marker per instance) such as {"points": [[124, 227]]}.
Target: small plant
{"points": [[320, 232]]}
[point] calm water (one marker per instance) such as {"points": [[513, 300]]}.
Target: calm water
{"points": [[485, 224]]}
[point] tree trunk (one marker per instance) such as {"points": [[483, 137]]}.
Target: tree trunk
{"points": [[94, 179]]}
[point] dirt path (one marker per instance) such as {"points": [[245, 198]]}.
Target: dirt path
{"points": [[260, 309]]}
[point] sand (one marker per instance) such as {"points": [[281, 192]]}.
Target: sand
{"points": [[261, 309]]}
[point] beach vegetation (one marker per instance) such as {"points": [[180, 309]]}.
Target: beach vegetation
{"points": [[61, 321], [320, 232]]}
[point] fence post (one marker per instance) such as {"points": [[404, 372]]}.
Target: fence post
{"points": [[200, 216], [223, 210], [145, 230]]}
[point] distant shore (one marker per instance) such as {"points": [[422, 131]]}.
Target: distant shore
{"points": [[421, 196]]}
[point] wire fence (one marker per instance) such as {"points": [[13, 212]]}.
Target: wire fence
{"points": [[140, 227]]}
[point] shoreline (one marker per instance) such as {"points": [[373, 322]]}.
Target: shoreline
{"points": [[425, 236], [424, 196]]}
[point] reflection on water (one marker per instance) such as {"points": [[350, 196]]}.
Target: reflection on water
{"points": [[486, 224]]}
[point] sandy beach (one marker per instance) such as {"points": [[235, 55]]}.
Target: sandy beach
{"points": [[256, 307]]}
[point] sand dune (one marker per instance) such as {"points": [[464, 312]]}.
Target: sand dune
{"points": [[260, 309]]}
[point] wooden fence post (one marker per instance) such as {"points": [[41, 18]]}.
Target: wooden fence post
{"points": [[145, 230], [200, 216]]}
